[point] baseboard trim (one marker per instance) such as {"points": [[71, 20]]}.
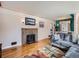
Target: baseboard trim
{"points": [[10, 47], [44, 38]]}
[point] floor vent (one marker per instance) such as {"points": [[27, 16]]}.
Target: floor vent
{"points": [[13, 43]]}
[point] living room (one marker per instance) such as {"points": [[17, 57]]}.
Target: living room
{"points": [[27, 28]]}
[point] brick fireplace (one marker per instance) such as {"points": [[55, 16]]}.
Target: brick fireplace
{"points": [[29, 35]]}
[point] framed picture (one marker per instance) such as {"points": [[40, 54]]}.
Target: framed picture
{"points": [[41, 24], [30, 21]]}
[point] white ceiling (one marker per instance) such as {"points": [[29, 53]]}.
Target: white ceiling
{"points": [[44, 9]]}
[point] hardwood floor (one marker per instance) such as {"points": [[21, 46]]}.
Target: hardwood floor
{"points": [[24, 50]]}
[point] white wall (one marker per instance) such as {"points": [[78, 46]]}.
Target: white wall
{"points": [[10, 28], [76, 25], [11, 24]]}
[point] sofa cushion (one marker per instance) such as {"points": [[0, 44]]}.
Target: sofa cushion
{"points": [[66, 43]]}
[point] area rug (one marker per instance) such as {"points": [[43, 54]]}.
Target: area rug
{"points": [[47, 52]]}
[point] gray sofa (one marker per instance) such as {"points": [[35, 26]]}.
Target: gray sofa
{"points": [[73, 52], [66, 42], [63, 40]]}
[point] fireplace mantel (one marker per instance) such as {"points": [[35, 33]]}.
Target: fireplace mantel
{"points": [[30, 28]]}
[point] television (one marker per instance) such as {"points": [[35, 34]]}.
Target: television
{"points": [[30, 21]]}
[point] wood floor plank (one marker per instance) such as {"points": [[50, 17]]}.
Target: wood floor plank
{"points": [[24, 50]]}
